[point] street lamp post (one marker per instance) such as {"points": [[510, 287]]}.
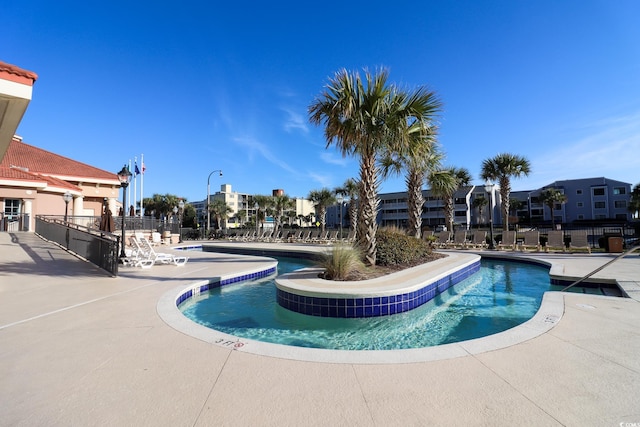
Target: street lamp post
{"points": [[124, 176], [181, 213], [340, 215], [488, 187], [67, 197], [207, 204], [256, 206]]}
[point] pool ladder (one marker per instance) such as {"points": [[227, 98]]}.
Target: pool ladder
{"points": [[602, 267]]}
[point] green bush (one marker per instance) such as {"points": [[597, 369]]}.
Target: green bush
{"points": [[396, 248], [343, 262]]}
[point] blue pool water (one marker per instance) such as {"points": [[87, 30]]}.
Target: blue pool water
{"points": [[500, 296]]}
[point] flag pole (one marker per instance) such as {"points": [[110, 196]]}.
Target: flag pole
{"points": [[126, 208], [141, 183], [135, 184]]}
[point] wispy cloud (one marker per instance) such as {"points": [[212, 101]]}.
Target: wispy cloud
{"points": [[610, 148], [257, 148], [295, 121], [323, 180], [333, 158]]}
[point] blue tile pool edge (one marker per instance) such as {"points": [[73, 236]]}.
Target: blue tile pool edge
{"points": [[373, 305]]}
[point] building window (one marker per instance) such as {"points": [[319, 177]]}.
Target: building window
{"points": [[460, 213], [11, 207], [579, 192], [620, 204], [619, 190], [621, 216], [580, 216], [580, 205], [598, 191], [459, 201], [600, 205]]}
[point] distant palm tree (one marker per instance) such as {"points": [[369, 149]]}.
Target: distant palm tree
{"points": [[501, 168], [241, 215], [550, 197], [350, 190], [362, 118], [479, 203], [220, 211], [321, 199], [281, 203], [421, 158], [265, 204], [444, 183]]}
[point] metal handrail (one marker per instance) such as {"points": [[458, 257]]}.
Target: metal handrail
{"points": [[601, 267]]}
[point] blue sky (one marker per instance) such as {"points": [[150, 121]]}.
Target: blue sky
{"points": [[201, 86]]}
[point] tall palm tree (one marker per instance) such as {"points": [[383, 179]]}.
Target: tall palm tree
{"points": [[422, 157], [350, 190], [321, 199], [550, 197], [362, 117], [265, 204], [281, 203], [220, 211], [502, 168], [444, 183], [479, 203]]}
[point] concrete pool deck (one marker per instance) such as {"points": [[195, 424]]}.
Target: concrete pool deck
{"points": [[80, 348]]}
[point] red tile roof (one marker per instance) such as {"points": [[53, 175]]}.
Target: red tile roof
{"points": [[42, 162], [14, 174], [17, 74]]}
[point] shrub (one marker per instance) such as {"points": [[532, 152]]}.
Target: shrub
{"points": [[343, 262], [396, 248]]}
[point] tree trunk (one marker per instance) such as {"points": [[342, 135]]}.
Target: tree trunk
{"points": [[414, 203], [368, 203]]}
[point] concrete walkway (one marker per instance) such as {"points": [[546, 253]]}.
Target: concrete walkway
{"points": [[80, 348]]}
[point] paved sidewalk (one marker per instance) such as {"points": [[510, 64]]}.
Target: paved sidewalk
{"points": [[80, 348]]}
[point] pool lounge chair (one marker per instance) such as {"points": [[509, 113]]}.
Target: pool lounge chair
{"points": [[443, 239], [508, 240], [145, 252], [459, 239], [579, 241], [531, 241], [555, 241], [479, 240]]}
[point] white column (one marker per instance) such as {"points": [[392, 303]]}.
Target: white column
{"points": [[77, 207], [27, 209]]}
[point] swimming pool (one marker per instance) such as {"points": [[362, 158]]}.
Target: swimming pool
{"points": [[501, 295]]}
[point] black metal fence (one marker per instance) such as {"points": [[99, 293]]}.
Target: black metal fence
{"points": [[96, 246]]}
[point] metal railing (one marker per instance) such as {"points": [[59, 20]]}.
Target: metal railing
{"points": [[97, 247]]}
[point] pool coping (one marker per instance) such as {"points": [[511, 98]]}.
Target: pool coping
{"points": [[548, 315]]}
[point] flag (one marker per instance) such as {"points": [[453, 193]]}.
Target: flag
{"points": [[137, 171], [144, 168]]}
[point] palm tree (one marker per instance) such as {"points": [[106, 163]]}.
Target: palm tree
{"points": [[362, 118], [281, 203], [220, 211], [265, 204], [502, 168], [480, 203], [350, 190], [550, 197], [422, 158], [321, 199], [160, 205], [444, 183], [241, 215]]}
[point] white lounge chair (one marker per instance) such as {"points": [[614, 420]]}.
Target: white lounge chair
{"points": [[459, 239], [555, 241], [531, 240], [508, 240], [146, 252], [479, 239], [579, 241]]}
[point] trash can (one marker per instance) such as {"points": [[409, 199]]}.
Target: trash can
{"points": [[614, 244], [166, 237]]}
